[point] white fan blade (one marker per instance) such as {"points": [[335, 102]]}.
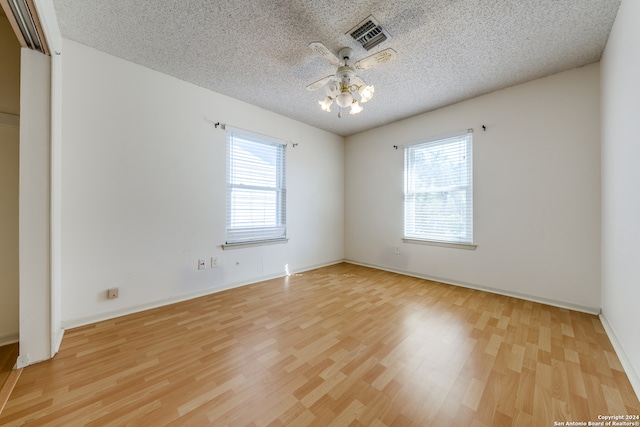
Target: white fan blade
{"points": [[322, 50], [376, 59], [320, 83]]}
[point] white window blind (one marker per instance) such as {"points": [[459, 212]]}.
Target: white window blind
{"points": [[256, 190], [438, 196]]}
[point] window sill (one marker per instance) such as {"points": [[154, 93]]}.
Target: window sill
{"points": [[466, 246], [228, 246]]}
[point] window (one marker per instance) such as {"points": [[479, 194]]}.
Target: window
{"points": [[438, 190], [256, 191]]}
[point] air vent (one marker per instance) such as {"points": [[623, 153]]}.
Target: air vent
{"points": [[369, 33]]}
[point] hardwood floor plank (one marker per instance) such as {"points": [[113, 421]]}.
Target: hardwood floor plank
{"points": [[342, 345], [473, 394], [7, 387], [8, 357], [8, 376]]}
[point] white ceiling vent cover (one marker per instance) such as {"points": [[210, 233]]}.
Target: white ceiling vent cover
{"points": [[369, 33]]}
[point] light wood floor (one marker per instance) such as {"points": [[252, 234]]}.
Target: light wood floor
{"points": [[341, 345], [8, 357], [8, 377]]}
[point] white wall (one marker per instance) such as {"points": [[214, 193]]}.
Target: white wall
{"points": [[143, 189], [49, 22], [536, 192], [34, 205], [620, 186]]}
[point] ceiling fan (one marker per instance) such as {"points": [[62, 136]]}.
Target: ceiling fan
{"points": [[344, 84]]}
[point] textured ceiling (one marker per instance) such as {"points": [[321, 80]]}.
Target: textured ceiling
{"points": [[257, 50]]}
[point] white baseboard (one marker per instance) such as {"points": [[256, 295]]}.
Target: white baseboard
{"points": [[624, 360], [82, 321], [633, 376], [77, 322], [57, 340], [7, 339], [24, 360], [526, 297]]}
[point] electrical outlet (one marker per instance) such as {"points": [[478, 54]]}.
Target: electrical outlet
{"points": [[112, 293], [215, 261], [201, 264], [396, 250]]}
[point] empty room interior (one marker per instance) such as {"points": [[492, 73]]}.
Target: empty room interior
{"points": [[319, 213]]}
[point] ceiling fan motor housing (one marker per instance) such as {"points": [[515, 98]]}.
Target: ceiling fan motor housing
{"points": [[345, 54], [345, 74]]}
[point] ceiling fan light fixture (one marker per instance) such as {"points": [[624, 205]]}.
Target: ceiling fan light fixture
{"points": [[332, 89], [326, 104], [366, 93], [345, 87]]}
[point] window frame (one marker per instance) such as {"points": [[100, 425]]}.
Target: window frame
{"points": [[254, 235], [467, 240]]}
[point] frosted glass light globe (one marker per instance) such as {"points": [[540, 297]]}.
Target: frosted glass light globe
{"points": [[355, 108], [366, 93], [345, 99]]}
